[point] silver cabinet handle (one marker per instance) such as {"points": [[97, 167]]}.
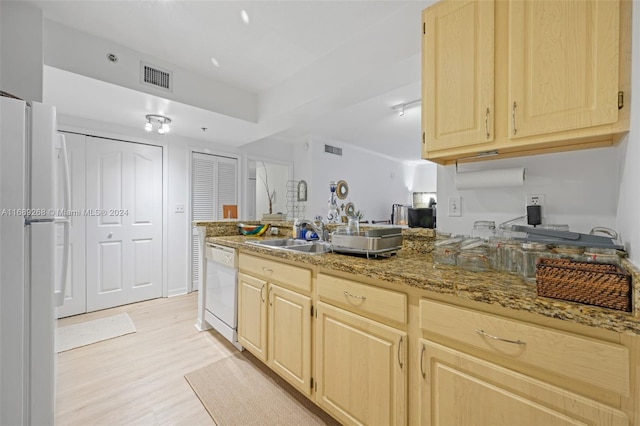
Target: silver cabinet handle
{"points": [[261, 289], [346, 293], [485, 334], [399, 345], [513, 117], [424, 375], [267, 270], [486, 123], [269, 296]]}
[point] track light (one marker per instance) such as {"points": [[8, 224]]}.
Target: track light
{"points": [[158, 121], [400, 107]]}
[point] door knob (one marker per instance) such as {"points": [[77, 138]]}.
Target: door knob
{"points": [[110, 235]]}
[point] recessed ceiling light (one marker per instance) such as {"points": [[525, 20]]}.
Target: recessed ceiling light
{"points": [[245, 16], [215, 62]]}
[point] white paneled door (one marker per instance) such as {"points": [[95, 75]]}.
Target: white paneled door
{"points": [[124, 223]]}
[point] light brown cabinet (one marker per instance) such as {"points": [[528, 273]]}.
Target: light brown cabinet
{"points": [[252, 315], [274, 317], [361, 363], [484, 369], [524, 77], [370, 352], [458, 67], [460, 389], [361, 368]]}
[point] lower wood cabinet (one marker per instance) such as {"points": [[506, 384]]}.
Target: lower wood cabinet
{"points": [[460, 389], [274, 324], [361, 368], [289, 336], [252, 315]]}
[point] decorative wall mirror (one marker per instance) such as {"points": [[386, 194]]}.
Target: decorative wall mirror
{"points": [[342, 189], [302, 190]]}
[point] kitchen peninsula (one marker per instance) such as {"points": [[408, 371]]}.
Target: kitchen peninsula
{"points": [[419, 329]]}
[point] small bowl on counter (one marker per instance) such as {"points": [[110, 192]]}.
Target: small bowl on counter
{"points": [[252, 230]]}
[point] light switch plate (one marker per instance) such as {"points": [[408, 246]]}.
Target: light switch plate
{"points": [[455, 206]]}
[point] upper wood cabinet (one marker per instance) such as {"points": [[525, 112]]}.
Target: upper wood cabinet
{"points": [[458, 64], [563, 65], [524, 77]]}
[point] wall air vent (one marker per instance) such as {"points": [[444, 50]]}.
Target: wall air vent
{"points": [[333, 149], [151, 75]]}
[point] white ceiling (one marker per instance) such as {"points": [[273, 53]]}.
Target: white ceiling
{"points": [[286, 45]]}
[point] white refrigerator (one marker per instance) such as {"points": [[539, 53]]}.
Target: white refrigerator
{"points": [[34, 250]]}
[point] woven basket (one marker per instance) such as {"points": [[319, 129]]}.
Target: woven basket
{"points": [[599, 284]]}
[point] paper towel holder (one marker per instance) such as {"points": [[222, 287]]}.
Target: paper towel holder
{"points": [[482, 154]]}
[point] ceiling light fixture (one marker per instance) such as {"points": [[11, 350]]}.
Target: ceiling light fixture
{"points": [[400, 107], [244, 16], [160, 122]]}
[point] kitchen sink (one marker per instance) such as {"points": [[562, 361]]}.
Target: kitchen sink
{"points": [[316, 247], [302, 246], [280, 242]]}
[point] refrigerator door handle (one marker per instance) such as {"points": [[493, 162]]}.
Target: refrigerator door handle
{"points": [[66, 220], [59, 295]]}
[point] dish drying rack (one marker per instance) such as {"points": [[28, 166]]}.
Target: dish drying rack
{"points": [[371, 243]]}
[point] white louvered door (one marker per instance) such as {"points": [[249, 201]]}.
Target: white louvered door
{"points": [[214, 183]]}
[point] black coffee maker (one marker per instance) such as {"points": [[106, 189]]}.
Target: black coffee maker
{"points": [[423, 217]]}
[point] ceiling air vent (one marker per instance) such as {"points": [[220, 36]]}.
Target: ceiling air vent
{"points": [[333, 149], [151, 75]]}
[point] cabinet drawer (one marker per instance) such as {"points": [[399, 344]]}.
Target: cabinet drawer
{"points": [[363, 298], [274, 271], [592, 361]]}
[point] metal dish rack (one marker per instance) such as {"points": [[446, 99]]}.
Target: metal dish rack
{"points": [[371, 243]]}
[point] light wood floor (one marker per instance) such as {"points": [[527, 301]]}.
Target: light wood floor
{"points": [[138, 379]]}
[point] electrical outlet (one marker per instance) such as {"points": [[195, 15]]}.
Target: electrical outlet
{"points": [[535, 200], [455, 206]]}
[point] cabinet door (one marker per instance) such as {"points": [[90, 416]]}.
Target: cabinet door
{"points": [[290, 336], [563, 65], [458, 74], [458, 389], [361, 368], [252, 315]]}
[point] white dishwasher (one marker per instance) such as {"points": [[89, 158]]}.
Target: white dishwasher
{"points": [[221, 291]]}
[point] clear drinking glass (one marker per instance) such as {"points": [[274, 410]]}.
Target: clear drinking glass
{"points": [[353, 226]]}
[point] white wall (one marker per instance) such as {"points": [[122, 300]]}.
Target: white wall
{"points": [[21, 50], [628, 218], [375, 181], [580, 189]]}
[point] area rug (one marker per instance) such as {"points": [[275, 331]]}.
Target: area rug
{"points": [[240, 390], [88, 332]]}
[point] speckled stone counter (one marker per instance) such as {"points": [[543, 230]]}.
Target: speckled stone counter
{"points": [[416, 269]]}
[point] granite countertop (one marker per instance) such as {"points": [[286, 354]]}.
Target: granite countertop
{"points": [[415, 269]]}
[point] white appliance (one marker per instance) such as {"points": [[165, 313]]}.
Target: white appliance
{"points": [[221, 291], [32, 265]]}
